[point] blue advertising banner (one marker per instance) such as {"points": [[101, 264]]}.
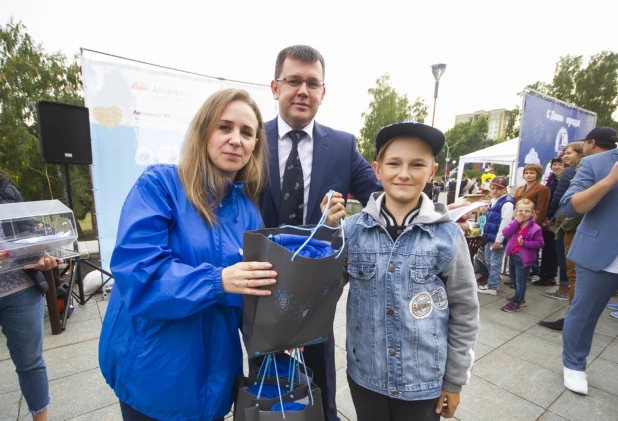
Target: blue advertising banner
{"points": [[138, 116], [547, 125]]}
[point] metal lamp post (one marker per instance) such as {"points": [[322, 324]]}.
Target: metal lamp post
{"points": [[438, 71]]}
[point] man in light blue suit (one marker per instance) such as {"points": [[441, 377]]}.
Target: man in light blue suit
{"points": [[593, 192]]}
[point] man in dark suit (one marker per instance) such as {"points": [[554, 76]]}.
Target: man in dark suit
{"points": [[306, 161]]}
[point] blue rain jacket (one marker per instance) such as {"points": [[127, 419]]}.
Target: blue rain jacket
{"points": [[170, 346]]}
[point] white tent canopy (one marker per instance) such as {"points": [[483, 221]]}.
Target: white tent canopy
{"points": [[500, 153]]}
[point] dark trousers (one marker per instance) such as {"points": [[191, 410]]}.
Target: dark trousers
{"points": [[130, 414], [321, 359], [372, 406], [549, 262]]}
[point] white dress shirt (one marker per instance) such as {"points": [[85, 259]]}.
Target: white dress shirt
{"points": [[613, 266], [305, 151]]}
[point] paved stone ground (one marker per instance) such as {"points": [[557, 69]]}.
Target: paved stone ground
{"points": [[518, 373]]}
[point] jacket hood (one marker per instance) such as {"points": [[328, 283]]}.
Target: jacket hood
{"points": [[429, 213]]}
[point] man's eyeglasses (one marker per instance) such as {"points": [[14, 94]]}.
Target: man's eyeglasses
{"points": [[297, 82]]}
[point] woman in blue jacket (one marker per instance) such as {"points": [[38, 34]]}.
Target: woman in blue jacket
{"points": [[170, 346]]}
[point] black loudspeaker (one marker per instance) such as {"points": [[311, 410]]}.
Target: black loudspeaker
{"points": [[64, 133]]}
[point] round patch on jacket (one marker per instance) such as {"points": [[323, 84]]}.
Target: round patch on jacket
{"points": [[421, 305], [439, 299]]}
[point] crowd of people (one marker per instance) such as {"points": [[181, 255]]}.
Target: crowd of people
{"points": [[568, 218], [170, 347]]}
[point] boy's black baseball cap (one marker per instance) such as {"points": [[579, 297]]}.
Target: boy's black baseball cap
{"points": [[429, 134]]}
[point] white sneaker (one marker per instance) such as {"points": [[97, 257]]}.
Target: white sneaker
{"points": [[576, 381], [535, 278], [484, 289]]}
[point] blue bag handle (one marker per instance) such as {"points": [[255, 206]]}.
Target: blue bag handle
{"points": [[270, 359], [321, 223]]}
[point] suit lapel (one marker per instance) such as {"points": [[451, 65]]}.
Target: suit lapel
{"points": [[272, 134], [321, 145]]}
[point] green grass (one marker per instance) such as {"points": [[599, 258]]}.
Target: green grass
{"points": [[86, 225]]}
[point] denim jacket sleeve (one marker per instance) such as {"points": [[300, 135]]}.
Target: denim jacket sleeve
{"points": [[464, 318]]}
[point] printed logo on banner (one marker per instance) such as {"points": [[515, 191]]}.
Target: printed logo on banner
{"points": [[421, 305], [562, 138], [439, 299], [139, 86]]}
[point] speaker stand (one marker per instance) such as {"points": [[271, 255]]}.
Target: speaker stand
{"points": [[68, 180]]}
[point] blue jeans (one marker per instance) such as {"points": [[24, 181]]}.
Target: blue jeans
{"points": [[519, 276], [21, 318], [592, 293], [564, 280], [493, 261]]}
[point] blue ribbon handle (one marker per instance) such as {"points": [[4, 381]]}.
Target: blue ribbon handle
{"points": [[307, 375], [270, 359], [321, 223]]}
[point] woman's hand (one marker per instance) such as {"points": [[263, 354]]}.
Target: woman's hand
{"points": [[336, 211], [447, 404], [247, 277], [45, 263], [496, 246]]}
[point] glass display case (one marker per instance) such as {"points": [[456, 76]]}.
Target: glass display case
{"points": [[31, 230]]}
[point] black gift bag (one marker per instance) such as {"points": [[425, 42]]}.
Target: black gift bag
{"points": [[311, 398], [284, 362], [301, 309], [277, 379], [244, 392]]}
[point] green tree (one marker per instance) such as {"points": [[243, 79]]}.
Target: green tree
{"points": [[464, 138], [387, 107], [511, 130], [29, 74], [592, 86]]}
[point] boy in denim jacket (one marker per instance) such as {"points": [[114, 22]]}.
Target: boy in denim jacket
{"points": [[412, 311]]}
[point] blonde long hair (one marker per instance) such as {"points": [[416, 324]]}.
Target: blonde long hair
{"points": [[578, 148], [206, 185]]}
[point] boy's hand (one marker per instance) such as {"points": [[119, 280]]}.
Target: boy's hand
{"points": [[336, 211], [447, 404]]}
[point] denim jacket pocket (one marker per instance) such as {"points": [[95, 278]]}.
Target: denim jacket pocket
{"points": [[363, 279], [420, 275]]}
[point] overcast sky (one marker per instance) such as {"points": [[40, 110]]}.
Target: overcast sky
{"points": [[492, 48]]}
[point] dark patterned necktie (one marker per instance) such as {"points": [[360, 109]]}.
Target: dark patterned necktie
{"points": [[293, 187]]}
